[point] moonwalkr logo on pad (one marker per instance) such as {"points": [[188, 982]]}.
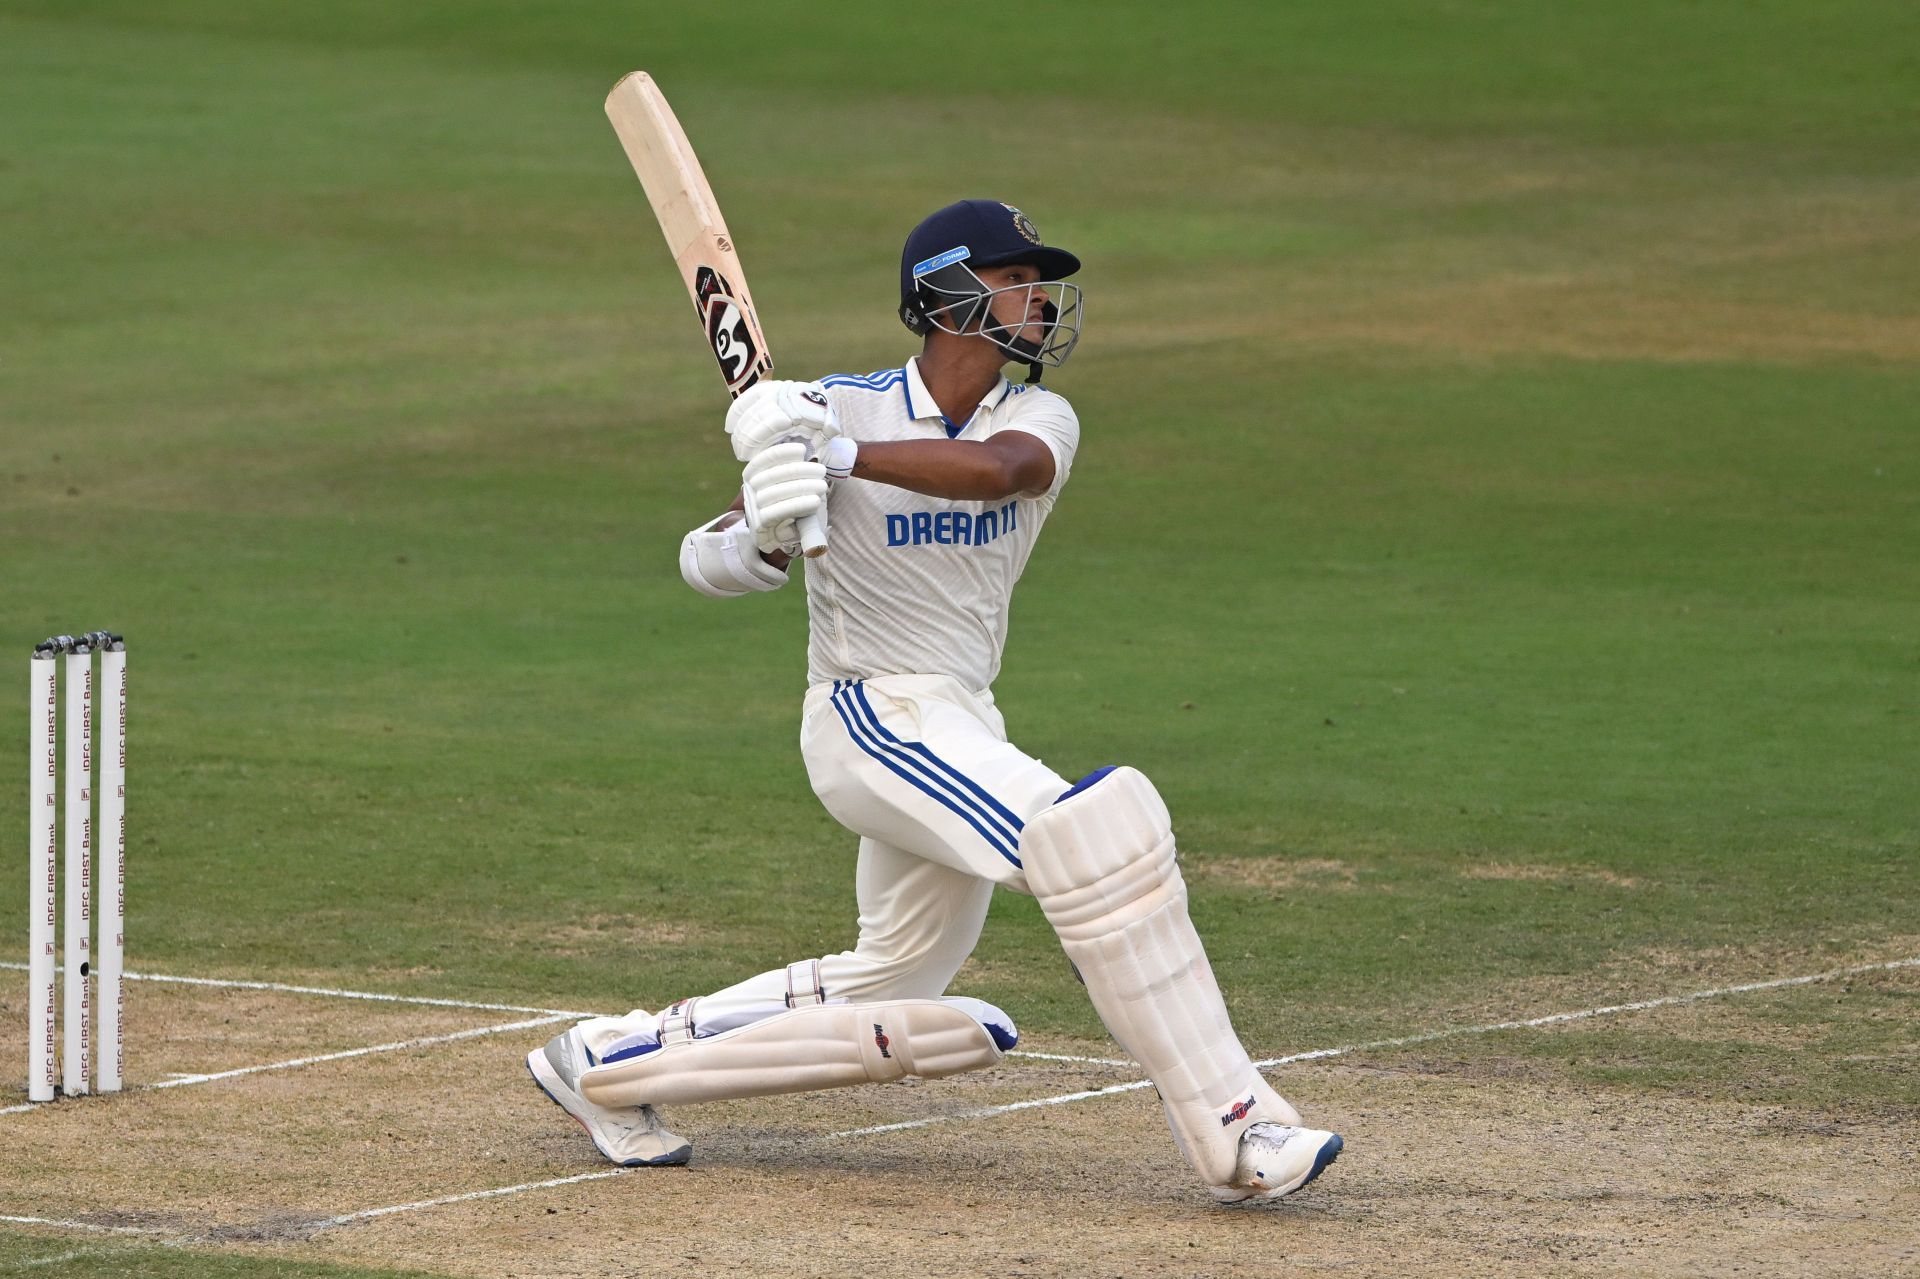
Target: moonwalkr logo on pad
{"points": [[951, 528]]}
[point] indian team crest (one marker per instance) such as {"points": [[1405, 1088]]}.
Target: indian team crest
{"points": [[1023, 224]]}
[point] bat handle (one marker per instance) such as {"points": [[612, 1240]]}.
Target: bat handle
{"points": [[813, 537]]}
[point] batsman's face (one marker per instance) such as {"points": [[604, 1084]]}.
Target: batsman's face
{"points": [[1022, 311]]}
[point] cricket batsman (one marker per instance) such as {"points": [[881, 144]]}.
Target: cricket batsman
{"points": [[937, 477]]}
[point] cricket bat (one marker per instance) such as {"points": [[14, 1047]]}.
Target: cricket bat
{"points": [[697, 237]]}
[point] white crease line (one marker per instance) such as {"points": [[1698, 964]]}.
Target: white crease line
{"points": [[398, 1046], [229, 984], [1556, 1019], [1321, 1054], [374, 996], [1089, 1061], [94, 1226], [181, 1081], [368, 1214]]}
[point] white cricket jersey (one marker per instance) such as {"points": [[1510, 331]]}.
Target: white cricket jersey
{"points": [[918, 585]]}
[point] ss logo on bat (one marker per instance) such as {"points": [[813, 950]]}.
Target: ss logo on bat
{"points": [[727, 330]]}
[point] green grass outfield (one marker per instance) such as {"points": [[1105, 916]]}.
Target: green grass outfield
{"points": [[1497, 525]]}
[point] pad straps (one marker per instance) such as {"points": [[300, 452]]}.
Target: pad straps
{"points": [[676, 1023], [804, 988]]}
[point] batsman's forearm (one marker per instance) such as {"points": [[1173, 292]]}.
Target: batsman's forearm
{"points": [[963, 470]]}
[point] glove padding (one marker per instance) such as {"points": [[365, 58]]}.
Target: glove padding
{"points": [[781, 486], [769, 412], [722, 562]]}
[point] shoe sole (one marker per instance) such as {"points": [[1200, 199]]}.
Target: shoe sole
{"points": [[1322, 1160], [558, 1093]]}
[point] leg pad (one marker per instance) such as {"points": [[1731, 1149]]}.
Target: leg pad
{"points": [[1101, 862], [807, 1049]]}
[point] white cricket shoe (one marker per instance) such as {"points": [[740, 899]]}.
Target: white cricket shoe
{"points": [[631, 1136], [1276, 1160]]}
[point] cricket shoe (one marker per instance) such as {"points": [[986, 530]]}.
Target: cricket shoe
{"points": [[1276, 1160], [632, 1136]]}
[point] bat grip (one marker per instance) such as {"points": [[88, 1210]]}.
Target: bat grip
{"points": [[813, 537]]}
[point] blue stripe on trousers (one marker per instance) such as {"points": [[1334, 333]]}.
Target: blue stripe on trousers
{"points": [[932, 767], [920, 748], [972, 817]]}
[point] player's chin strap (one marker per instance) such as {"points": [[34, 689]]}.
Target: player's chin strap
{"points": [[1027, 353], [1030, 352]]}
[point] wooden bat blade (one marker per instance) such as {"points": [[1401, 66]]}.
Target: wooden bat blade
{"points": [[696, 234]]}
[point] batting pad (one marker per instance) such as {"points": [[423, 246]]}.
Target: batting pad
{"points": [[1101, 863], [807, 1049]]}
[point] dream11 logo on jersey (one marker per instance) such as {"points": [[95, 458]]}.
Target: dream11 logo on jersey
{"points": [[727, 329]]}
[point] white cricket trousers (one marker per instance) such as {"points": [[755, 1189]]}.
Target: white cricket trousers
{"points": [[920, 768]]}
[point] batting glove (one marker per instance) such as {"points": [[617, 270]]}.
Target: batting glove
{"points": [[773, 411], [781, 486]]}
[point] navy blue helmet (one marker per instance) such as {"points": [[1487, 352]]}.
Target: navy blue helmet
{"points": [[939, 287]]}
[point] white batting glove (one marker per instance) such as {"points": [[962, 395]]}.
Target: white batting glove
{"points": [[838, 456], [781, 486], [772, 411]]}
